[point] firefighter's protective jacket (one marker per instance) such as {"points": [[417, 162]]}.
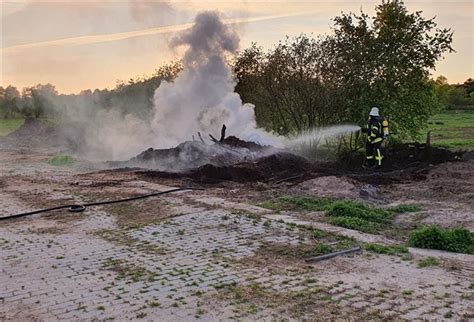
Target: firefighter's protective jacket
{"points": [[377, 129]]}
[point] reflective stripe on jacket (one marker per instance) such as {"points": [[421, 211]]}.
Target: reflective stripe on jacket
{"points": [[375, 130]]}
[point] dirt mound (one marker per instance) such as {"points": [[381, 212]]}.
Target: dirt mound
{"points": [[33, 133], [449, 182], [404, 155], [237, 160], [194, 154], [273, 167], [33, 128], [329, 187]]}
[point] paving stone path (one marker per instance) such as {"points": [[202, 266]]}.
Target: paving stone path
{"points": [[154, 271]]}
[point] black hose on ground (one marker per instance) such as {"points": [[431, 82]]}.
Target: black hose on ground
{"points": [[80, 208]]}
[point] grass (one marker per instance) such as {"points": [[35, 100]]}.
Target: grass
{"points": [[8, 126], [458, 240], [61, 160], [353, 209], [355, 224], [358, 216], [297, 203], [345, 213], [453, 129], [404, 209], [388, 250], [428, 261]]}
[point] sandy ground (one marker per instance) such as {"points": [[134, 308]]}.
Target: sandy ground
{"points": [[215, 254]]}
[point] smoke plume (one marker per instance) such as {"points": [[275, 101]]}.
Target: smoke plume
{"points": [[202, 97]]}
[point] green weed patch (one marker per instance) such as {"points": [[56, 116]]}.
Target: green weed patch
{"points": [[297, 203], [459, 240], [388, 250], [400, 209], [428, 261], [345, 213], [61, 160], [359, 210]]}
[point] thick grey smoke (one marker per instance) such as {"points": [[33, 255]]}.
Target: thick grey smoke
{"points": [[202, 97]]}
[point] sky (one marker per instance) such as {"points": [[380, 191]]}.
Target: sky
{"points": [[88, 44]]}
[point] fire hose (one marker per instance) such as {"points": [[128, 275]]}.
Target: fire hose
{"points": [[82, 207]]}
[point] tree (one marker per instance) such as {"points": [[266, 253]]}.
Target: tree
{"points": [[287, 86], [385, 61], [442, 90], [367, 61], [469, 86], [38, 101], [9, 99]]}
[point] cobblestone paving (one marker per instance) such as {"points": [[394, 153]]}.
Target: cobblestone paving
{"points": [[66, 268], [154, 271]]}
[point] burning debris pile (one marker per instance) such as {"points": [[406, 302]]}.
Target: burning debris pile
{"points": [[272, 167], [194, 154], [229, 158]]}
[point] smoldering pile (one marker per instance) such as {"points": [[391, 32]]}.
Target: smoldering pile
{"points": [[194, 154], [229, 158]]}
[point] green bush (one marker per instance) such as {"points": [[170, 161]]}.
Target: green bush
{"points": [[357, 210], [355, 223], [459, 240]]}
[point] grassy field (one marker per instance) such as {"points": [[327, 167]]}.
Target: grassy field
{"points": [[9, 125], [453, 129]]}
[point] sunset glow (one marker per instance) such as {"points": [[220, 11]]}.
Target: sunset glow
{"points": [[92, 44]]}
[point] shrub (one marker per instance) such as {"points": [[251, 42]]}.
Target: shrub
{"points": [[459, 240], [357, 210]]}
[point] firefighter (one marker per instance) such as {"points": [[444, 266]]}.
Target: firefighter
{"points": [[377, 132]]}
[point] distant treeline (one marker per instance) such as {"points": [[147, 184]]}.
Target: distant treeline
{"points": [[455, 96], [304, 82], [134, 97]]}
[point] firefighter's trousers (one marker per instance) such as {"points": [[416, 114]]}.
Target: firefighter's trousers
{"points": [[374, 153]]}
